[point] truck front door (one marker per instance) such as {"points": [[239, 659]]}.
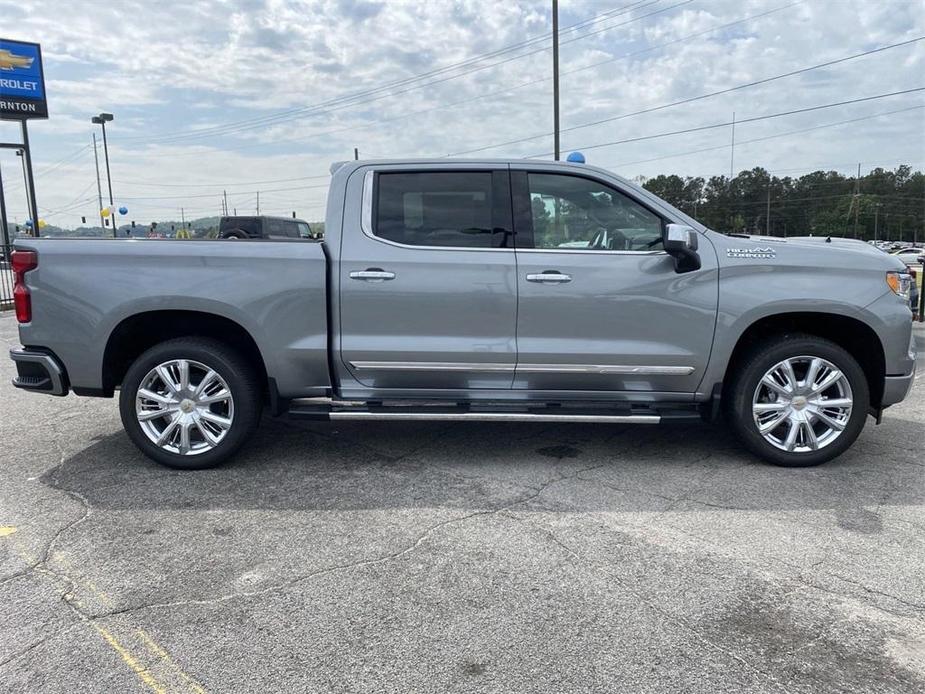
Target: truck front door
{"points": [[427, 279], [601, 306]]}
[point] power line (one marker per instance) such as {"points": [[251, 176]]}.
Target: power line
{"points": [[785, 201], [695, 98], [67, 159], [212, 185], [473, 99], [353, 99], [216, 194], [766, 137], [287, 114], [739, 121]]}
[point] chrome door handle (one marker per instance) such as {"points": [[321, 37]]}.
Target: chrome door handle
{"points": [[372, 275], [549, 277]]}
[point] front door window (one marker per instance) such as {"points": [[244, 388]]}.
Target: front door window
{"points": [[570, 212]]}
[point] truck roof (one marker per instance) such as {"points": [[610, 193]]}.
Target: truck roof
{"points": [[262, 216], [469, 162]]}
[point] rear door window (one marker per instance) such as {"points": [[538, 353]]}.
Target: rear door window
{"points": [[276, 228], [441, 208], [249, 226]]}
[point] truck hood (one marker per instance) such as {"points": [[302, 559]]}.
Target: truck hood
{"points": [[821, 250]]}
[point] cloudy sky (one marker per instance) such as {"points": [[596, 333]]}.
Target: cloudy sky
{"points": [[248, 95]]}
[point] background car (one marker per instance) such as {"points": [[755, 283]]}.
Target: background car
{"points": [[264, 228], [911, 255]]}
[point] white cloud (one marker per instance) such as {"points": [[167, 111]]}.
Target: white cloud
{"points": [[172, 66]]}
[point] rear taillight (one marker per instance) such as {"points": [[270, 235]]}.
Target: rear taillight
{"points": [[21, 262]]}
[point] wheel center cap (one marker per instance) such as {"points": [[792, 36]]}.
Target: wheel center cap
{"points": [[799, 402], [187, 405]]}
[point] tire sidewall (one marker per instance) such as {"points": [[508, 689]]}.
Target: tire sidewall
{"points": [[236, 373], [759, 362]]}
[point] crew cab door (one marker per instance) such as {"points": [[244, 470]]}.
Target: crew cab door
{"points": [[601, 305], [427, 278]]}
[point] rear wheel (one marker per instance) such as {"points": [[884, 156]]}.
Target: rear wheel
{"points": [[798, 400], [190, 403]]}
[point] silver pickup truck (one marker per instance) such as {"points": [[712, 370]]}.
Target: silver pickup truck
{"points": [[473, 290]]}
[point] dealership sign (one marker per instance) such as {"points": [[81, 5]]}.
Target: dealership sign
{"points": [[22, 82]]}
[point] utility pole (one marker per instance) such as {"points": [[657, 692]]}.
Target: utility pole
{"points": [[857, 199], [767, 216], [182, 219], [555, 76], [876, 218], [356, 154], [732, 154], [225, 203], [99, 188], [258, 202]]}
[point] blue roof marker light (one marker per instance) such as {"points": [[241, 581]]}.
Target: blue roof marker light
{"points": [[576, 158]]}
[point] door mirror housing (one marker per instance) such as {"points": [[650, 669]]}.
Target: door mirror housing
{"points": [[680, 243]]}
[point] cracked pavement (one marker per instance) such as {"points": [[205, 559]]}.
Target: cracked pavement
{"points": [[470, 557]]}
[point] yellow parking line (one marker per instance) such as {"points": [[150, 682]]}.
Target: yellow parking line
{"points": [[133, 660], [165, 656], [140, 670]]}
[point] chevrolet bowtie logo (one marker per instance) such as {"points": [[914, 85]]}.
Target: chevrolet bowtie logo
{"points": [[11, 61]]}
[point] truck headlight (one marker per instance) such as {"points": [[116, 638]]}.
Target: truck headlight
{"points": [[900, 283]]}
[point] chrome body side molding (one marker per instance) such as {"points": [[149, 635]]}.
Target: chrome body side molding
{"points": [[431, 366], [522, 368]]}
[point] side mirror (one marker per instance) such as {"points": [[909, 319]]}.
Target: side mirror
{"points": [[680, 243]]}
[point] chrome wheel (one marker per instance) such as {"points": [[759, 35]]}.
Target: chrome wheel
{"points": [[184, 407], [802, 404]]}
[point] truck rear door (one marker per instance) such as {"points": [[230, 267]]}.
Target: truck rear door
{"points": [[428, 285]]}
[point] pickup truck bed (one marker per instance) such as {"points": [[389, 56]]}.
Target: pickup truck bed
{"points": [[89, 295]]}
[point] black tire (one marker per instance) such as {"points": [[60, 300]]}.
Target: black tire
{"points": [[234, 235], [237, 373], [748, 371]]}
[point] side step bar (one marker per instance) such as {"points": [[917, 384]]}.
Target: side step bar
{"points": [[493, 412], [497, 417]]}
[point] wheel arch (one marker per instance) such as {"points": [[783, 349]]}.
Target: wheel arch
{"points": [[140, 331], [852, 334]]}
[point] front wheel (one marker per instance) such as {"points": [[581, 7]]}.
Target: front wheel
{"points": [[798, 400], [190, 403]]}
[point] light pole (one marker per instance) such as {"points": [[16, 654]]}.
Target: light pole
{"points": [[101, 120], [22, 157]]}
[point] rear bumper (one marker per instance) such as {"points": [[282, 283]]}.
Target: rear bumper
{"points": [[39, 372]]}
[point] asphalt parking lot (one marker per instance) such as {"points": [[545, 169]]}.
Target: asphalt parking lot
{"points": [[470, 557]]}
